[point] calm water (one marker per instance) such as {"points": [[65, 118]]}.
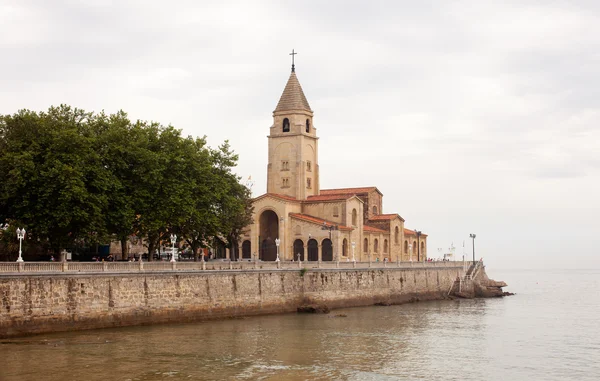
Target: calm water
{"points": [[549, 331]]}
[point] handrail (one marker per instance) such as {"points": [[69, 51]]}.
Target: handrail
{"points": [[144, 267]]}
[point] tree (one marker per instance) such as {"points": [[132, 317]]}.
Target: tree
{"points": [[53, 180]]}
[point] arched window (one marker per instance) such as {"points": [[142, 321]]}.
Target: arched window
{"points": [[385, 246], [397, 235], [375, 245], [423, 249], [354, 218], [366, 246], [307, 125], [345, 248], [336, 211], [405, 247], [375, 210], [286, 125]]}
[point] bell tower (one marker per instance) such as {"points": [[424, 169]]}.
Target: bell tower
{"points": [[293, 168]]}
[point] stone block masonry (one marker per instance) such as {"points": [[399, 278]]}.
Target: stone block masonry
{"points": [[32, 304]]}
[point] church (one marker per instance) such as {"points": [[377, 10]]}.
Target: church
{"points": [[297, 220]]}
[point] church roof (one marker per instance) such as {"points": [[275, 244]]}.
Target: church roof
{"points": [[319, 221], [412, 232], [293, 97], [385, 217], [349, 190], [277, 195], [332, 197], [371, 229]]}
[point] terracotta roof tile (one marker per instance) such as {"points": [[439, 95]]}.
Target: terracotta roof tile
{"points": [[390, 216], [348, 190], [292, 97], [412, 232], [277, 195], [370, 229], [317, 220]]}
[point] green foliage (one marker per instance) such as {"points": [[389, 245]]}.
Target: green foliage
{"points": [[72, 176], [303, 271]]}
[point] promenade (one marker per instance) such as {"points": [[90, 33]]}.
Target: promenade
{"points": [[223, 265]]}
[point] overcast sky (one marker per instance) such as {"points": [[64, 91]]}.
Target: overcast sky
{"points": [[469, 116]]}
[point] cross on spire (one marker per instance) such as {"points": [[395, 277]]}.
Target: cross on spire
{"points": [[293, 66]]}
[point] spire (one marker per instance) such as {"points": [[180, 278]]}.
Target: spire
{"points": [[293, 97]]}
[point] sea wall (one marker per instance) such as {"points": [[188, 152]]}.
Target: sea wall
{"points": [[60, 302]]}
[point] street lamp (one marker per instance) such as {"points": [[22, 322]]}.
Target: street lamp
{"points": [[473, 236], [277, 242], [173, 240], [410, 250], [20, 237], [353, 247]]}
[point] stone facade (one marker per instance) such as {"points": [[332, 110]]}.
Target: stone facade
{"points": [[296, 213], [48, 303]]}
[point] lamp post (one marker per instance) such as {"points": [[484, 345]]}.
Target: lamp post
{"points": [[410, 250], [353, 247], [20, 237], [277, 242], [473, 236], [173, 240]]}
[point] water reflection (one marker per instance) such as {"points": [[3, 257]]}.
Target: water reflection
{"points": [[362, 344], [544, 333]]}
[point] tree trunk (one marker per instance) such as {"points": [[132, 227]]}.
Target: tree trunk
{"points": [[151, 248], [124, 248]]}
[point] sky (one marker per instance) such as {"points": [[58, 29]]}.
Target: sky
{"points": [[469, 116]]}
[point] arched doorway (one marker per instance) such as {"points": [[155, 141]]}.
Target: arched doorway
{"points": [[327, 248], [298, 249], [313, 250], [345, 248], [269, 231], [268, 250], [246, 250]]}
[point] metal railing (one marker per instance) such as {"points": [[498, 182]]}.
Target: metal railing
{"points": [[156, 266]]}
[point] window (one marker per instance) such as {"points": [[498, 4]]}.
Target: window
{"points": [[285, 165], [375, 245], [308, 166], [375, 210], [308, 184], [285, 182], [307, 125], [366, 245], [385, 246], [405, 247], [354, 218], [397, 235], [286, 125], [336, 211]]}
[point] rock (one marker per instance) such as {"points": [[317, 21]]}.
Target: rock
{"points": [[313, 309], [506, 293], [382, 304]]}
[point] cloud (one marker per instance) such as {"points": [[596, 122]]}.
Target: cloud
{"points": [[461, 112]]}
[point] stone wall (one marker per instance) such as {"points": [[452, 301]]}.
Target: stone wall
{"points": [[47, 303]]}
